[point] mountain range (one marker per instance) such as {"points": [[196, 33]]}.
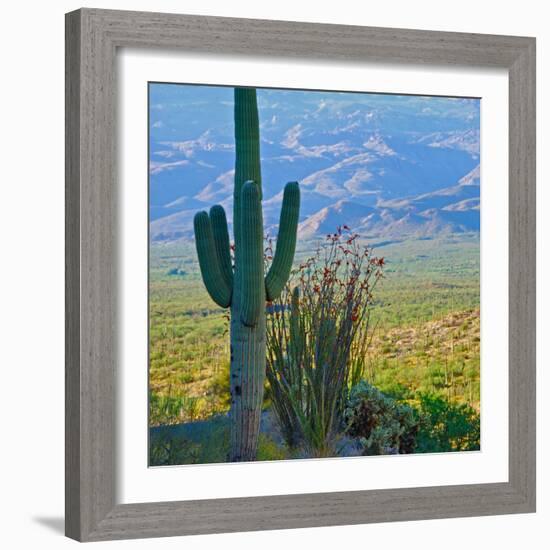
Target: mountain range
{"points": [[387, 166]]}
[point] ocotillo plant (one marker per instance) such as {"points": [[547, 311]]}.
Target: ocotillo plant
{"points": [[315, 331], [243, 287]]}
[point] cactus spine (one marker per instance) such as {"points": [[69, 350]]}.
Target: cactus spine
{"points": [[243, 287]]}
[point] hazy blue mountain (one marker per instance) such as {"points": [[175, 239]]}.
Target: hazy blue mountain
{"points": [[386, 165]]}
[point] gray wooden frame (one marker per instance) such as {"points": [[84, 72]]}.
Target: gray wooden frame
{"points": [[92, 38]]}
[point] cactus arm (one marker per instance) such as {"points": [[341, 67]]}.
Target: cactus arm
{"points": [[211, 272], [286, 242], [252, 260], [221, 242]]}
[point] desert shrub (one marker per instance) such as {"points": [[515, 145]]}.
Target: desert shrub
{"points": [[268, 449], [171, 408], [202, 442], [172, 451], [176, 271], [446, 426], [219, 386], [316, 331], [382, 424]]}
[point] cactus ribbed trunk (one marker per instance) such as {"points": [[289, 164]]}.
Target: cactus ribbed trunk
{"points": [[244, 287], [247, 372], [247, 367]]}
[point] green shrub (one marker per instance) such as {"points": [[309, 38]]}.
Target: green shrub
{"points": [[269, 450], [199, 442], [172, 451], [382, 425], [173, 409], [176, 271], [447, 426], [219, 386]]}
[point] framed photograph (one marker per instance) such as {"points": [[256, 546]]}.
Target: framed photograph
{"points": [[300, 274]]}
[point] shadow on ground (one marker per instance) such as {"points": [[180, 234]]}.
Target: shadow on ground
{"points": [[55, 524]]}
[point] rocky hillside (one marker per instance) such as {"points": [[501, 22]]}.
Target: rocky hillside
{"points": [[388, 166]]}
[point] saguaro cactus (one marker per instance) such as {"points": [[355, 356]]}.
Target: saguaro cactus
{"points": [[243, 287]]}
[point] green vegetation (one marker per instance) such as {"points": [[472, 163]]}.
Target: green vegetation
{"points": [[424, 351], [446, 426], [384, 425]]}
